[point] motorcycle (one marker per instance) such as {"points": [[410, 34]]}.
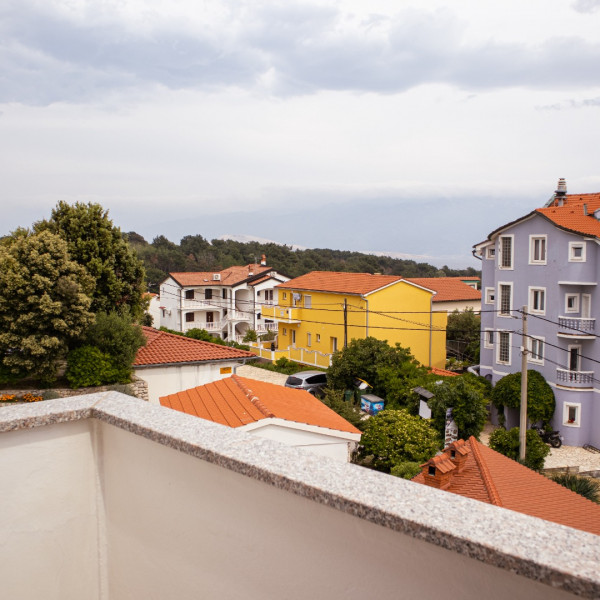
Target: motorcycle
{"points": [[549, 436]]}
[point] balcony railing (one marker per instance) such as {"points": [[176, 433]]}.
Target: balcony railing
{"points": [[204, 304], [238, 315], [214, 326], [576, 379], [262, 327], [281, 313], [576, 325]]}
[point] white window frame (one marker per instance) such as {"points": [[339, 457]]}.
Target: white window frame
{"points": [[499, 299], [490, 295], [488, 338], [575, 308], [334, 343], [318, 338], [541, 293], [308, 339], [499, 346], [293, 336], [284, 332], [490, 252], [571, 347], [566, 407], [500, 253], [572, 246], [307, 301], [543, 239], [531, 342]]}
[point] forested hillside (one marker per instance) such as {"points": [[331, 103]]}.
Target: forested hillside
{"points": [[194, 253]]}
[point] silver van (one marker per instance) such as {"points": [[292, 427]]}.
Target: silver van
{"points": [[311, 381]]}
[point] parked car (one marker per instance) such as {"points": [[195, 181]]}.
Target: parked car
{"points": [[311, 381]]}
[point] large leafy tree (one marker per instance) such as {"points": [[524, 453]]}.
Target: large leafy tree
{"points": [[508, 443], [394, 437], [540, 397], [44, 303], [96, 244], [463, 334]]}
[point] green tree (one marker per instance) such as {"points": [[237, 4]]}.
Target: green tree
{"points": [[507, 443], [96, 244], [366, 358], [468, 404], [44, 303], [540, 397], [394, 436], [463, 334]]}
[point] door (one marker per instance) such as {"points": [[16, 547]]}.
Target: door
{"points": [[586, 308], [574, 358], [294, 338], [209, 319]]}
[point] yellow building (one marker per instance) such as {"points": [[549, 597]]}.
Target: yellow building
{"points": [[319, 312]]}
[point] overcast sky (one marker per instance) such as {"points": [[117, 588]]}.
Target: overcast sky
{"points": [[407, 127]]}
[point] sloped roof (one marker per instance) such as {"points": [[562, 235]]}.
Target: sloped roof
{"points": [[442, 372], [229, 276], [448, 289], [490, 477], [164, 348], [571, 215], [238, 401], [343, 283]]}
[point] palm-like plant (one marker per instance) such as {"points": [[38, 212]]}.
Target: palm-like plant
{"points": [[584, 486]]}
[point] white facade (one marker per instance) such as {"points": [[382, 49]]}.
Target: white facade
{"points": [[460, 305], [226, 311], [169, 379]]}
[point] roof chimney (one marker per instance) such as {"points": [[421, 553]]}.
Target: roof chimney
{"points": [[263, 260], [437, 471], [457, 452], [561, 191]]}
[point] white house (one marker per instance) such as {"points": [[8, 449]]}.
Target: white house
{"points": [[452, 293], [293, 417], [169, 363], [226, 303]]}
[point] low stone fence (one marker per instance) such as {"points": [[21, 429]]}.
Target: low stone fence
{"points": [[138, 387]]}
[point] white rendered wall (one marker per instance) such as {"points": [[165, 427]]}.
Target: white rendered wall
{"points": [[321, 444], [182, 528], [163, 381], [48, 514], [461, 306]]}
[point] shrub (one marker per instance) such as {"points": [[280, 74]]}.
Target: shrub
{"points": [[334, 399], [88, 366], [250, 336], [507, 443], [584, 486], [395, 436], [406, 470]]}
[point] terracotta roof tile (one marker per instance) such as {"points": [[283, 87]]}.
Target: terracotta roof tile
{"points": [[237, 401], [490, 477], [229, 276], [343, 283], [164, 348], [442, 372], [571, 215], [448, 288]]}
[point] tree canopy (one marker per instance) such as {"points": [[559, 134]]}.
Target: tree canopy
{"points": [[97, 245], [508, 443], [540, 397], [44, 303], [463, 334]]}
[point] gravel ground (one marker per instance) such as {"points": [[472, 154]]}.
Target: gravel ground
{"points": [[565, 456]]}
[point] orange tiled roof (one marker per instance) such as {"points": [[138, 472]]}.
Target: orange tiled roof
{"points": [[571, 214], [238, 401], [343, 283], [443, 372], [230, 276], [164, 348], [448, 288], [490, 477]]}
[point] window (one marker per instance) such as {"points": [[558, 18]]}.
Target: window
{"points": [[571, 303], [285, 295], [293, 337], [318, 338], [308, 340], [488, 338], [189, 317], [224, 294], [490, 252], [189, 294], [490, 295], [503, 355], [505, 299], [307, 301], [297, 298], [333, 344], [536, 351], [537, 249], [572, 414], [284, 331], [576, 251], [537, 300], [208, 294], [269, 296], [574, 358], [506, 252]]}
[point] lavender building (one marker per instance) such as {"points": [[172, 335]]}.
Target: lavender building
{"points": [[547, 261]]}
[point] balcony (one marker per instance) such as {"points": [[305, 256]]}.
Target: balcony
{"points": [[575, 379], [283, 314], [238, 315], [214, 326], [212, 304], [264, 327], [105, 494], [575, 327]]}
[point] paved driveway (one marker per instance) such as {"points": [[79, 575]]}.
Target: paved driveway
{"points": [[261, 374]]}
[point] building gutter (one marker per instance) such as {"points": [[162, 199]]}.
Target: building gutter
{"points": [[241, 359], [430, 326], [366, 315]]}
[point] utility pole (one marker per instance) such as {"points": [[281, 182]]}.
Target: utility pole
{"points": [[523, 421], [345, 323]]}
